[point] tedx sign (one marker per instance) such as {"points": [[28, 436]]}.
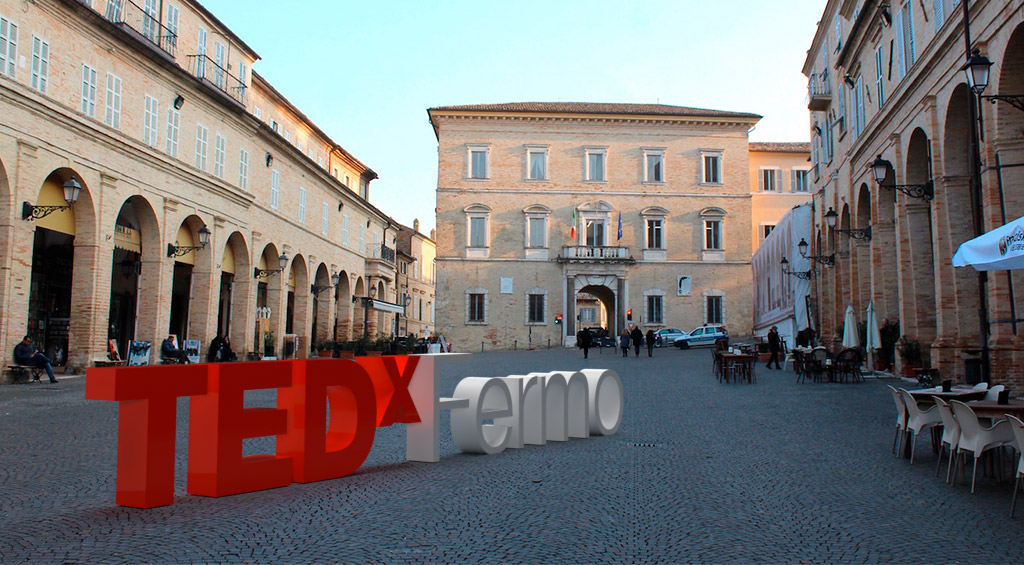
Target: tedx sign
{"points": [[488, 415]]}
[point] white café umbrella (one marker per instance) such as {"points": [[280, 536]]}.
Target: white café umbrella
{"points": [[998, 250], [874, 337], [850, 334]]}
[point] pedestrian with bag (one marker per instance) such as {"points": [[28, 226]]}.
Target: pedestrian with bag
{"points": [[624, 342]]}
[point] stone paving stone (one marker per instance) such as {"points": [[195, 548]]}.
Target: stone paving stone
{"points": [[699, 472]]}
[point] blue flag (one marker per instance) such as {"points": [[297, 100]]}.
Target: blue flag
{"points": [[620, 225]]}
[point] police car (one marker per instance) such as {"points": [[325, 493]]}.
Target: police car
{"points": [[704, 335]]}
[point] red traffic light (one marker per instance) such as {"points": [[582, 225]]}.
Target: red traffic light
{"points": [[629, 314], [558, 319]]}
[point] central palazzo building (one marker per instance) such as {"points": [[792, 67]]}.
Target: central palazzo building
{"points": [[595, 215]]}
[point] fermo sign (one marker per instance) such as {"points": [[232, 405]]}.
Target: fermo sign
{"points": [[318, 440]]}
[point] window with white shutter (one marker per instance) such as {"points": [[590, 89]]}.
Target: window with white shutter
{"points": [[323, 219], [243, 169], [113, 114], [219, 148], [149, 121], [275, 189], [8, 47], [302, 205], [202, 145], [41, 67], [88, 106], [173, 127]]}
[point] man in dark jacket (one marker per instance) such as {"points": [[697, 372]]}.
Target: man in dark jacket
{"points": [[773, 347], [26, 354], [584, 339], [638, 339], [651, 339], [169, 350]]}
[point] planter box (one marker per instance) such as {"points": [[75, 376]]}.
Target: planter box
{"points": [[325, 353], [346, 354]]}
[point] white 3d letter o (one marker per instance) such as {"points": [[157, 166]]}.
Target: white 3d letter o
{"points": [[489, 399], [605, 397]]}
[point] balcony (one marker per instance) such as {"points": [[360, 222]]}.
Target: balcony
{"points": [[595, 253], [217, 77], [145, 27], [380, 261], [819, 93]]}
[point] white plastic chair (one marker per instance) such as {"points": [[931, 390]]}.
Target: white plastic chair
{"points": [[950, 435], [901, 420], [918, 420], [980, 386], [975, 439], [1018, 433], [993, 393]]}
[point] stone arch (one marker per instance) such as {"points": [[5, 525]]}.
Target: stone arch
{"points": [[298, 302], [885, 281], [191, 282], [269, 290], [234, 311], [845, 260], [136, 271], [358, 323], [917, 257], [863, 249], [320, 328], [382, 326], [343, 308]]}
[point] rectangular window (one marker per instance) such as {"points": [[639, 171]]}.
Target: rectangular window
{"points": [[801, 180], [903, 22], [243, 74], [298, 144], [595, 165], [302, 205], [202, 145], [173, 126], [243, 169], [476, 308], [714, 307], [323, 219], [478, 231], [538, 231], [257, 112], [880, 74], [712, 168], [8, 47], [219, 148], [654, 233], [478, 163], [219, 63], [88, 91], [41, 68], [362, 238], [594, 233], [536, 306], [113, 114], [172, 25], [766, 230], [344, 229], [588, 314], [149, 121], [654, 167], [275, 187], [712, 234], [537, 164], [841, 96], [839, 32], [654, 310], [201, 53], [150, 16], [858, 96], [770, 180]]}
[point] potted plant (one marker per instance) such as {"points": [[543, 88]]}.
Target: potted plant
{"points": [[269, 344], [763, 353], [325, 348], [910, 353]]}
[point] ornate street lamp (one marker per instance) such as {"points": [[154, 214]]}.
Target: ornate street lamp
{"points": [[179, 250], [72, 190], [826, 260], [282, 260], [857, 233], [880, 169], [317, 288], [805, 275]]}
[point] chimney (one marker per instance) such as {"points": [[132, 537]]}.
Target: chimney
{"points": [[416, 225], [432, 234]]}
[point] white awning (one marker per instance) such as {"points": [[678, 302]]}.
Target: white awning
{"points": [[387, 307], [998, 250]]}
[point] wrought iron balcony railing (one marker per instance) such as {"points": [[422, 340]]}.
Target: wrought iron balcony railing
{"points": [[819, 93], [130, 16], [381, 251], [206, 69], [595, 253]]}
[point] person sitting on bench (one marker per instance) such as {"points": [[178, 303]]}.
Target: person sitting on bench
{"points": [[169, 350], [26, 354]]}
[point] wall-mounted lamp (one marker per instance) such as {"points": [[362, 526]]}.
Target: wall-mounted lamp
{"points": [[849, 81], [880, 169], [826, 260], [977, 69], [179, 250], [885, 15], [817, 130], [831, 218], [270, 159], [340, 205], [282, 261], [179, 101], [367, 223], [318, 288], [805, 275], [72, 190]]}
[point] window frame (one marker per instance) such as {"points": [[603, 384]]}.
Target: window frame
{"points": [[648, 153], [601, 151], [776, 179], [805, 172], [481, 310], [275, 188], [477, 212], [717, 296], [41, 67], [532, 213], [534, 295], [243, 169], [202, 146], [173, 131], [472, 148], [220, 145], [717, 155], [88, 105], [9, 48], [532, 150], [656, 295]]}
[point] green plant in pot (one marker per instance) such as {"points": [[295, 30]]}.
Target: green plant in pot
{"points": [[269, 344], [910, 353]]}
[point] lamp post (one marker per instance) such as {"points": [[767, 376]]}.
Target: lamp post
{"points": [[826, 260], [180, 250], [862, 233], [804, 275], [72, 190], [407, 301], [880, 170], [367, 302], [282, 261]]}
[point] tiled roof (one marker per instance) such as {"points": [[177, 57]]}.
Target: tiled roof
{"points": [[781, 146], [596, 108]]}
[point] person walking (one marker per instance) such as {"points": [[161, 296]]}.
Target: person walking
{"points": [[651, 338], [773, 347], [638, 339], [584, 340], [624, 342], [26, 354]]}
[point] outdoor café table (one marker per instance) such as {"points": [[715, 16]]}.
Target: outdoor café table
{"points": [[994, 410], [961, 393], [737, 365]]}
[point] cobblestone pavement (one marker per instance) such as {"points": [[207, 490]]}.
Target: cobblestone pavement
{"points": [[699, 472]]}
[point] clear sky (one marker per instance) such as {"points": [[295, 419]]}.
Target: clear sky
{"points": [[366, 72]]}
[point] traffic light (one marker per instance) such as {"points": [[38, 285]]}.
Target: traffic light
{"points": [[558, 319], [629, 314]]}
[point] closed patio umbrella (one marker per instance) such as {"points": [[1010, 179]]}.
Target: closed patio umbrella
{"points": [[851, 338], [874, 337]]}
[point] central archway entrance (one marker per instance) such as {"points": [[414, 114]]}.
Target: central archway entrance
{"points": [[594, 300], [595, 308]]}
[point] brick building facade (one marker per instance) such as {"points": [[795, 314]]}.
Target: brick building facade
{"points": [[885, 83], [603, 214], [156, 112]]}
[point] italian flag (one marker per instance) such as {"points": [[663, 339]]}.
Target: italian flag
{"points": [[572, 232]]}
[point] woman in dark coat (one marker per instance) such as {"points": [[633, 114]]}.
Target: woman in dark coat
{"points": [[638, 340], [651, 338], [624, 343]]}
